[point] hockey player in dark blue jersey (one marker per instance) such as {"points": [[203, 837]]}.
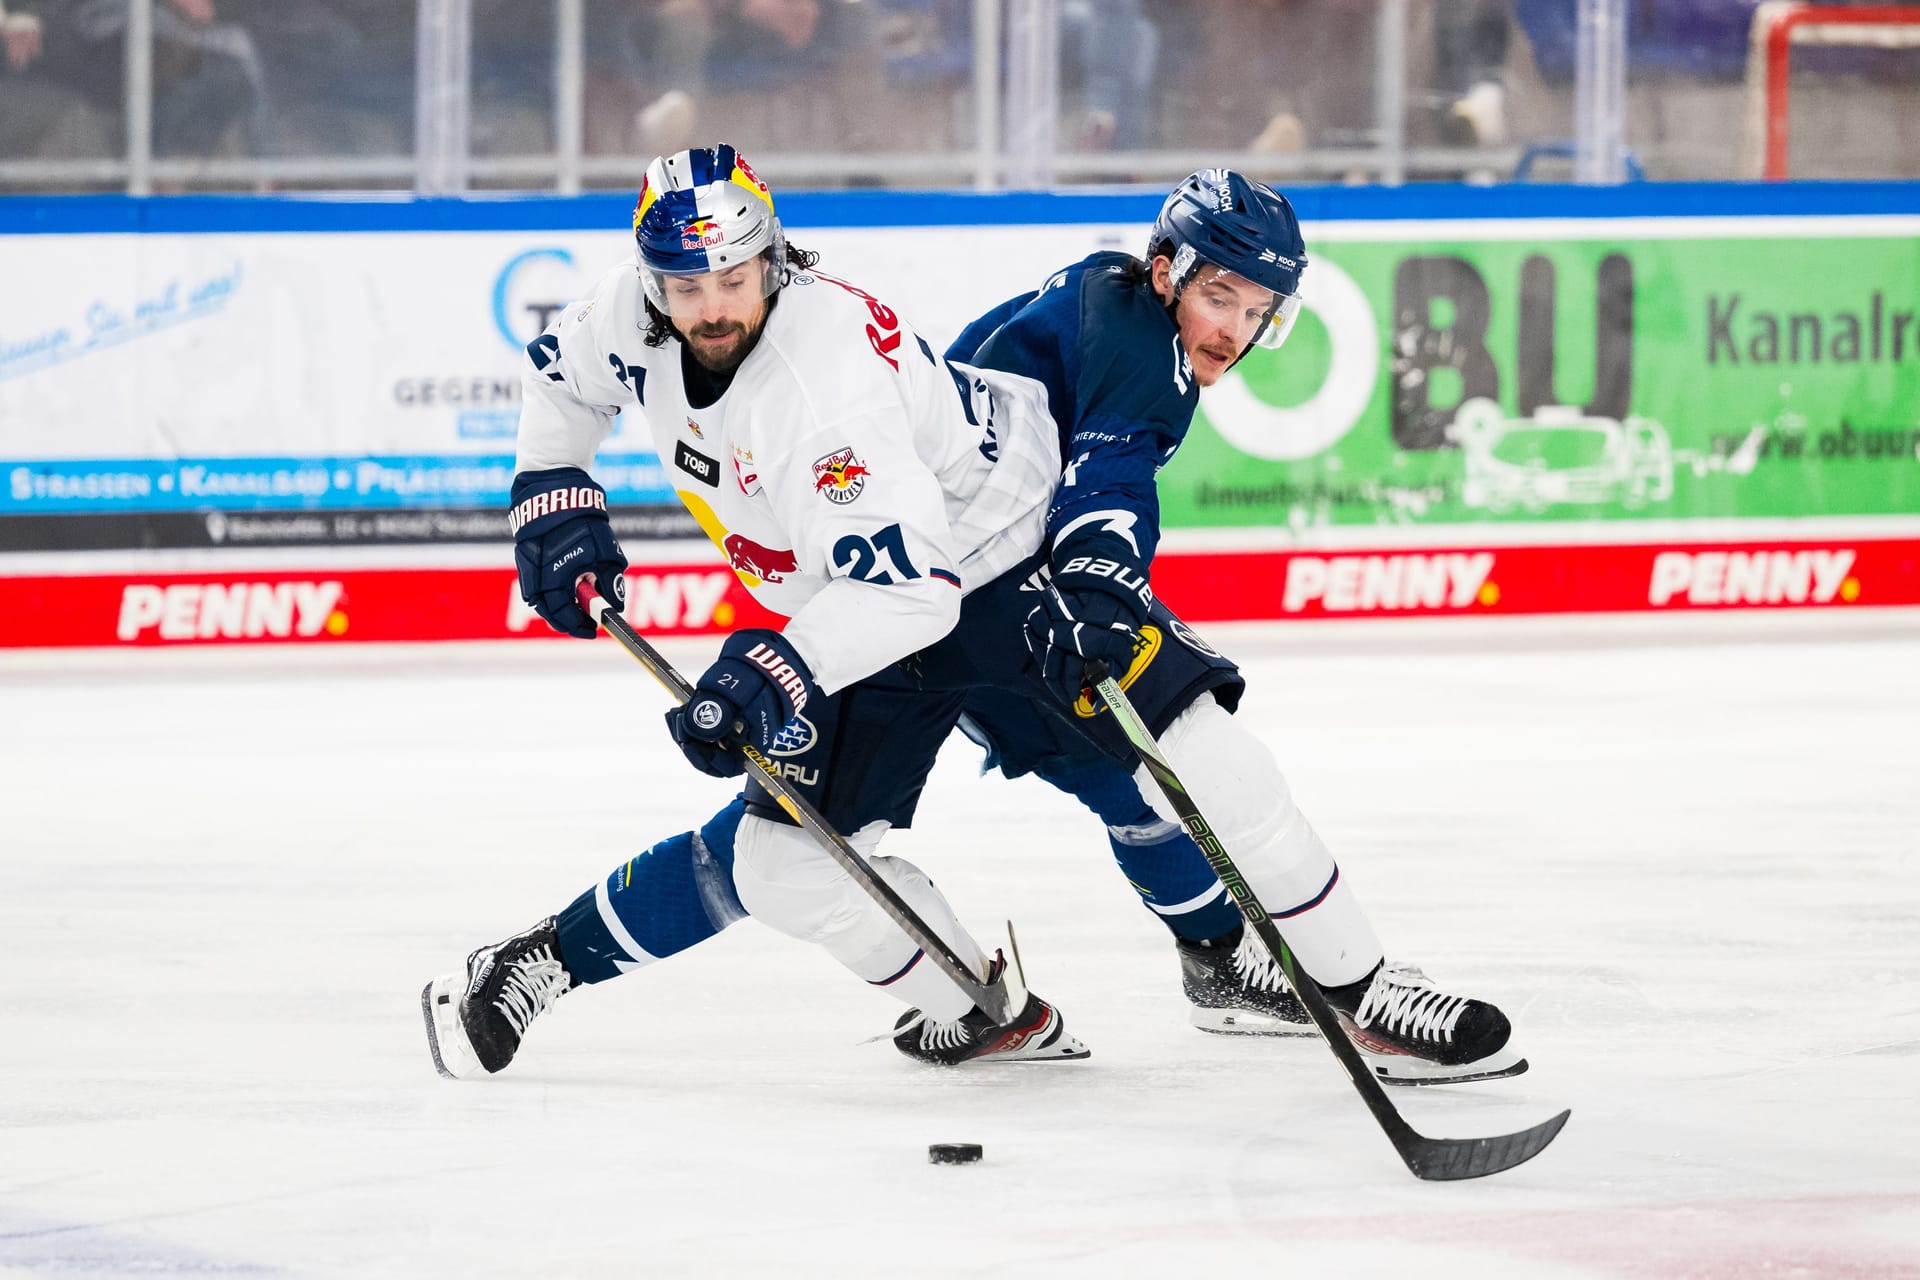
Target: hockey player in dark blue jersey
{"points": [[1122, 346]]}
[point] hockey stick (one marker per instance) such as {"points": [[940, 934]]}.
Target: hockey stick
{"points": [[996, 999], [1433, 1159]]}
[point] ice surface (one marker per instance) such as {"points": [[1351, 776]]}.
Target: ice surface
{"points": [[1683, 857]]}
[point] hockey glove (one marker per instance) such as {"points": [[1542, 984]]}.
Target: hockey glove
{"points": [[561, 531], [1093, 610], [752, 690]]}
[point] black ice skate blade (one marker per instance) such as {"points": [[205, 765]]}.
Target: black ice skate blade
{"points": [[1410, 1082]]}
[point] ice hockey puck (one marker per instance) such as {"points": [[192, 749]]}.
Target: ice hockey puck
{"points": [[953, 1153]]}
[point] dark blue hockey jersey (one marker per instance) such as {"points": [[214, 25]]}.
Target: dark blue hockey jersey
{"points": [[1120, 387]]}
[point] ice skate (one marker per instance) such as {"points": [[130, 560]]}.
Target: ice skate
{"points": [[475, 1020], [1037, 1034], [1236, 989], [1411, 1032]]}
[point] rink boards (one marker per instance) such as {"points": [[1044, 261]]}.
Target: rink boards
{"points": [[293, 419], [696, 597]]}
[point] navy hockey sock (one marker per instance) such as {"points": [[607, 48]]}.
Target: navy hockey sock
{"points": [[676, 894], [1164, 867]]}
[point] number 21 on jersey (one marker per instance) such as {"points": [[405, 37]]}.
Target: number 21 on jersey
{"points": [[877, 559]]}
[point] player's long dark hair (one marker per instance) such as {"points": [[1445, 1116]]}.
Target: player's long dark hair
{"points": [[1140, 270], [659, 328]]}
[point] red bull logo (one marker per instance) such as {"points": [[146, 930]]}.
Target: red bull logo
{"points": [[756, 564], [840, 476], [702, 233]]}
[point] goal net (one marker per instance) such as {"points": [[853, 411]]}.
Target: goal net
{"points": [[1781, 25]]}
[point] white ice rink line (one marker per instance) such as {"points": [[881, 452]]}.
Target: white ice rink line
{"points": [[1680, 851]]}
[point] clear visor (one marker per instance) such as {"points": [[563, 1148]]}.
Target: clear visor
{"points": [[1279, 325], [692, 295]]}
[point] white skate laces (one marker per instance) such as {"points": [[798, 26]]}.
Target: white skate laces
{"points": [[1255, 965], [1404, 1001], [532, 984], [935, 1035]]}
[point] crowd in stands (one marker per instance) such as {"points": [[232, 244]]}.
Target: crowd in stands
{"points": [[268, 78]]}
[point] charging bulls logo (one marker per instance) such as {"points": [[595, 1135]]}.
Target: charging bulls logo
{"points": [[1146, 647], [756, 564], [702, 233], [840, 476]]}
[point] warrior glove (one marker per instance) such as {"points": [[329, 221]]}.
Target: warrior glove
{"points": [[752, 690], [561, 531], [1098, 600]]}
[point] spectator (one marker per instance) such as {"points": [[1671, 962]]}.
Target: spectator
{"points": [[39, 117], [646, 72], [341, 71], [1469, 65], [656, 67], [1115, 48], [772, 43], [1302, 73], [208, 85], [20, 33], [1281, 75]]}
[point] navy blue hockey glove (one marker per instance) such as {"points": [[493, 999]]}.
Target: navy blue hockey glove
{"points": [[1092, 611], [753, 688], [561, 530]]}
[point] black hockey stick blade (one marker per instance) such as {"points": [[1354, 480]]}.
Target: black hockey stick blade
{"points": [[1452, 1159], [995, 998]]}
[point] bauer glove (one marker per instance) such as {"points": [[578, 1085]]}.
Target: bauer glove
{"points": [[1093, 609]]}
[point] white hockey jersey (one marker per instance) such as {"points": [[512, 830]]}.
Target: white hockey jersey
{"points": [[858, 484]]}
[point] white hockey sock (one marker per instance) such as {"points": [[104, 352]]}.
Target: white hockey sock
{"points": [[788, 882], [1244, 796], [903, 971]]}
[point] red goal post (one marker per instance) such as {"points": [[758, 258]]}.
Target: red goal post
{"points": [[1778, 25]]}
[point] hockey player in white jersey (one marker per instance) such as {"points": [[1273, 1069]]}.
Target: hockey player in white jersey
{"points": [[778, 424], [857, 483]]}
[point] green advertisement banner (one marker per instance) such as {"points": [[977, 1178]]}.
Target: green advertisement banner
{"points": [[1448, 382]]}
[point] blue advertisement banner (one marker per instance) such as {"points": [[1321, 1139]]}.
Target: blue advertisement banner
{"points": [[113, 485]]}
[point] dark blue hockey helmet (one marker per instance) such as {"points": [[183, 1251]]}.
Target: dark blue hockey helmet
{"points": [[704, 210], [1225, 218]]}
